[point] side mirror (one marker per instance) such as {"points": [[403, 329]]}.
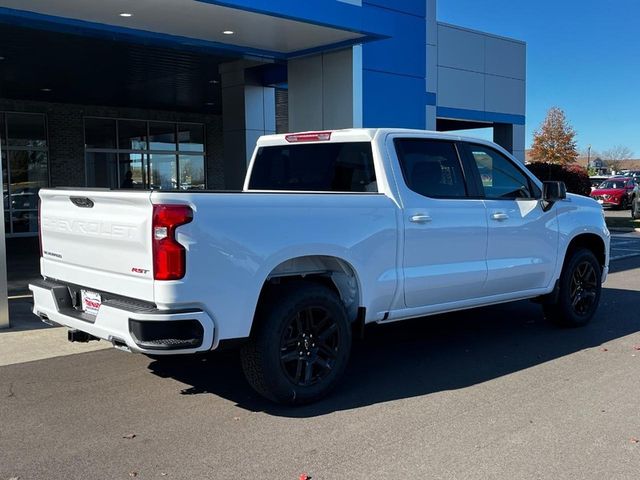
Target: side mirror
{"points": [[552, 192]]}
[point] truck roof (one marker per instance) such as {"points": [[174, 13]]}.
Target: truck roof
{"points": [[354, 135]]}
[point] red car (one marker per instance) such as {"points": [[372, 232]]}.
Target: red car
{"points": [[615, 192]]}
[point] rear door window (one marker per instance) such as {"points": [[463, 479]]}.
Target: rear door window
{"points": [[316, 167], [431, 168]]}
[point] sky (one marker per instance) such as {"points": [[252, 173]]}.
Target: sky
{"points": [[582, 56]]}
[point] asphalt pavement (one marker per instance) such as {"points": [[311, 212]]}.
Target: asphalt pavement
{"points": [[490, 393]]}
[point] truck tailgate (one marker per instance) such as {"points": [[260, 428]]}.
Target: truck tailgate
{"points": [[98, 239]]}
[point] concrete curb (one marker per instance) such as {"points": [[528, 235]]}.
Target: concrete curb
{"points": [[21, 346], [29, 339]]}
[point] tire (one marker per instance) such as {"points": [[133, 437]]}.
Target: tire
{"points": [[579, 290], [624, 203], [283, 360]]}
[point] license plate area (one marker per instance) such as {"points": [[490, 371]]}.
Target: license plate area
{"points": [[90, 302]]}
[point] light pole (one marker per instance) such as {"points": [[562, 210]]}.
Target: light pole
{"points": [[589, 156]]}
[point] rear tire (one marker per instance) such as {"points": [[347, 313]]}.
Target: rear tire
{"points": [[580, 287], [300, 345]]}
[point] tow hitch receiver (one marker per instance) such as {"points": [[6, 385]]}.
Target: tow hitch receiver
{"points": [[80, 336]]}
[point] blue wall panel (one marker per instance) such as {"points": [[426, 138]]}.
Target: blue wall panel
{"points": [[393, 100], [414, 7], [404, 53], [394, 85]]}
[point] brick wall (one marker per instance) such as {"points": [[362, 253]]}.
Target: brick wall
{"points": [[66, 136]]}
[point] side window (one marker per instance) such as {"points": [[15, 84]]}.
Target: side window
{"points": [[431, 167], [501, 179]]}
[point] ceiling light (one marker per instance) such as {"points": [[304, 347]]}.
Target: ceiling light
{"points": [[1, 58], [45, 89], [126, 14], [228, 32], [209, 104], [214, 82]]}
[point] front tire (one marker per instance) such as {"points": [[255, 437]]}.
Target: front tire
{"points": [[580, 289], [300, 346]]}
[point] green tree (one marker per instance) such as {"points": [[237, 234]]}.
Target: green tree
{"points": [[554, 141]]}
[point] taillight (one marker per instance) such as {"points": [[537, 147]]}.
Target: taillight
{"points": [[169, 257]]}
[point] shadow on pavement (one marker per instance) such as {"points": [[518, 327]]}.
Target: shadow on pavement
{"points": [[422, 356]]}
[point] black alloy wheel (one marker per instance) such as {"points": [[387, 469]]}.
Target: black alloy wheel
{"points": [[584, 287], [309, 346]]}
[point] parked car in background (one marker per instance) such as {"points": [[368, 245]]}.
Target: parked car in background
{"points": [[631, 173], [596, 180], [617, 192]]}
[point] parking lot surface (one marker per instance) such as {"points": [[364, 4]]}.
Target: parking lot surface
{"points": [[491, 393]]}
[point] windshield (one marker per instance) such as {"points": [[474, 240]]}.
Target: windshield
{"points": [[608, 184]]}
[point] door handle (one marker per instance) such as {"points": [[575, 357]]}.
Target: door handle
{"points": [[420, 218], [499, 216]]}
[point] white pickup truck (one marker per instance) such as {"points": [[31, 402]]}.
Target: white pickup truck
{"points": [[333, 230]]}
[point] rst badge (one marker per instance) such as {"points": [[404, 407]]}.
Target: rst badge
{"points": [[141, 271]]}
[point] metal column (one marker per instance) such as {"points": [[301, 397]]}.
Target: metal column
{"points": [[4, 300]]}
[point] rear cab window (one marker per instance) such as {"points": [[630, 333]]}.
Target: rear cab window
{"points": [[315, 167]]}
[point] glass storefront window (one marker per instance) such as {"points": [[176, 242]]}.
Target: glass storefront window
{"points": [[102, 170], [133, 170], [190, 137], [24, 221], [3, 131], [99, 133], [162, 171], [150, 155], [25, 169], [5, 180], [132, 135], [26, 130], [162, 136], [192, 172]]}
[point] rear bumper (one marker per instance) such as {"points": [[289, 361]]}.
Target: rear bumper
{"points": [[126, 325]]}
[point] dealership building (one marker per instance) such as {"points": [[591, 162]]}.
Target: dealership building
{"points": [[172, 94]]}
